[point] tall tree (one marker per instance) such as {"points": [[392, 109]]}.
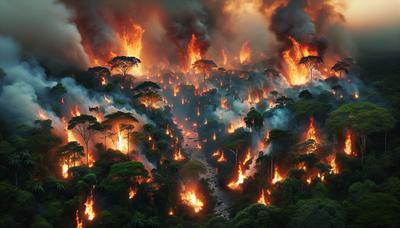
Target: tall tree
{"points": [[71, 152], [83, 126], [254, 119], [311, 62], [124, 63]]}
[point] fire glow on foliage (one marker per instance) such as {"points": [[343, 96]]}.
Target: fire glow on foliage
{"points": [[190, 198], [132, 192]]}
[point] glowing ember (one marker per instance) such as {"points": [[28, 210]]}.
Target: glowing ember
{"points": [[297, 74], [245, 53], [79, 223], [75, 111], [312, 132], [240, 179], [309, 180], [89, 211], [277, 176], [191, 199], [348, 144], [356, 95], [171, 212], [132, 193], [103, 81]]}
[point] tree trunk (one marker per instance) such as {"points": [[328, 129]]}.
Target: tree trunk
{"points": [[16, 178], [87, 153]]}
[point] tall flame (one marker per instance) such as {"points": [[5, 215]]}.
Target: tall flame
{"points": [[79, 222], [89, 211], [240, 179], [277, 176], [263, 200], [348, 143], [312, 132], [122, 143], [178, 155], [245, 53], [193, 51], [297, 74]]}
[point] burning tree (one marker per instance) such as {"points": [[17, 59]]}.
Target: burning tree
{"points": [[83, 125], [205, 66], [124, 63], [362, 118], [311, 62], [341, 67], [254, 119], [70, 154]]}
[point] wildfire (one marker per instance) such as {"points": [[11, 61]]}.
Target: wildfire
{"points": [[79, 222], [64, 169], [193, 51], [334, 167], [122, 143], [297, 74], [240, 179], [191, 199], [247, 158], [42, 115], [178, 155], [224, 57], [132, 193], [277, 176], [312, 132], [89, 211], [263, 200], [245, 53], [348, 143], [233, 125], [75, 111]]}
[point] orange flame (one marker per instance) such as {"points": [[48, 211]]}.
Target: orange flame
{"points": [[334, 167], [245, 53], [348, 143], [190, 198], [89, 211], [193, 51], [221, 158], [122, 143], [248, 157], [64, 170], [297, 74], [277, 176], [224, 57], [240, 179], [79, 223], [42, 115], [312, 132], [132, 193], [178, 155], [263, 200], [214, 136]]}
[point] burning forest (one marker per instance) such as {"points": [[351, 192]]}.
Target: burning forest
{"points": [[244, 113]]}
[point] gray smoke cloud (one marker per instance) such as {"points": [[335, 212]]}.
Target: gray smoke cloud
{"points": [[44, 29]]}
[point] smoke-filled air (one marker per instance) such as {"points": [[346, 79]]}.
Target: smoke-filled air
{"points": [[199, 113]]}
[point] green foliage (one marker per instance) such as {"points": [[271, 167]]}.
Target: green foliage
{"points": [[192, 170], [254, 119], [256, 215]]}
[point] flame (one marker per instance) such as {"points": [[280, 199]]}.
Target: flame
{"points": [[214, 136], [64, 169], [224, 103], [89, 211], [312, 132], [221, 158], [193, 51], [176, 90], [356, 95], [240, 179], [103, 81], [132, 193], [170, 212], [297, 74], [245, 53], [224, 57], [42, 115], [91, 160], [178, 155], [262, 199], [122, 143], [75, 111], [79, 223], [277, 176], [348, 143], [191, 199], [334, 167], [247, 158]]}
